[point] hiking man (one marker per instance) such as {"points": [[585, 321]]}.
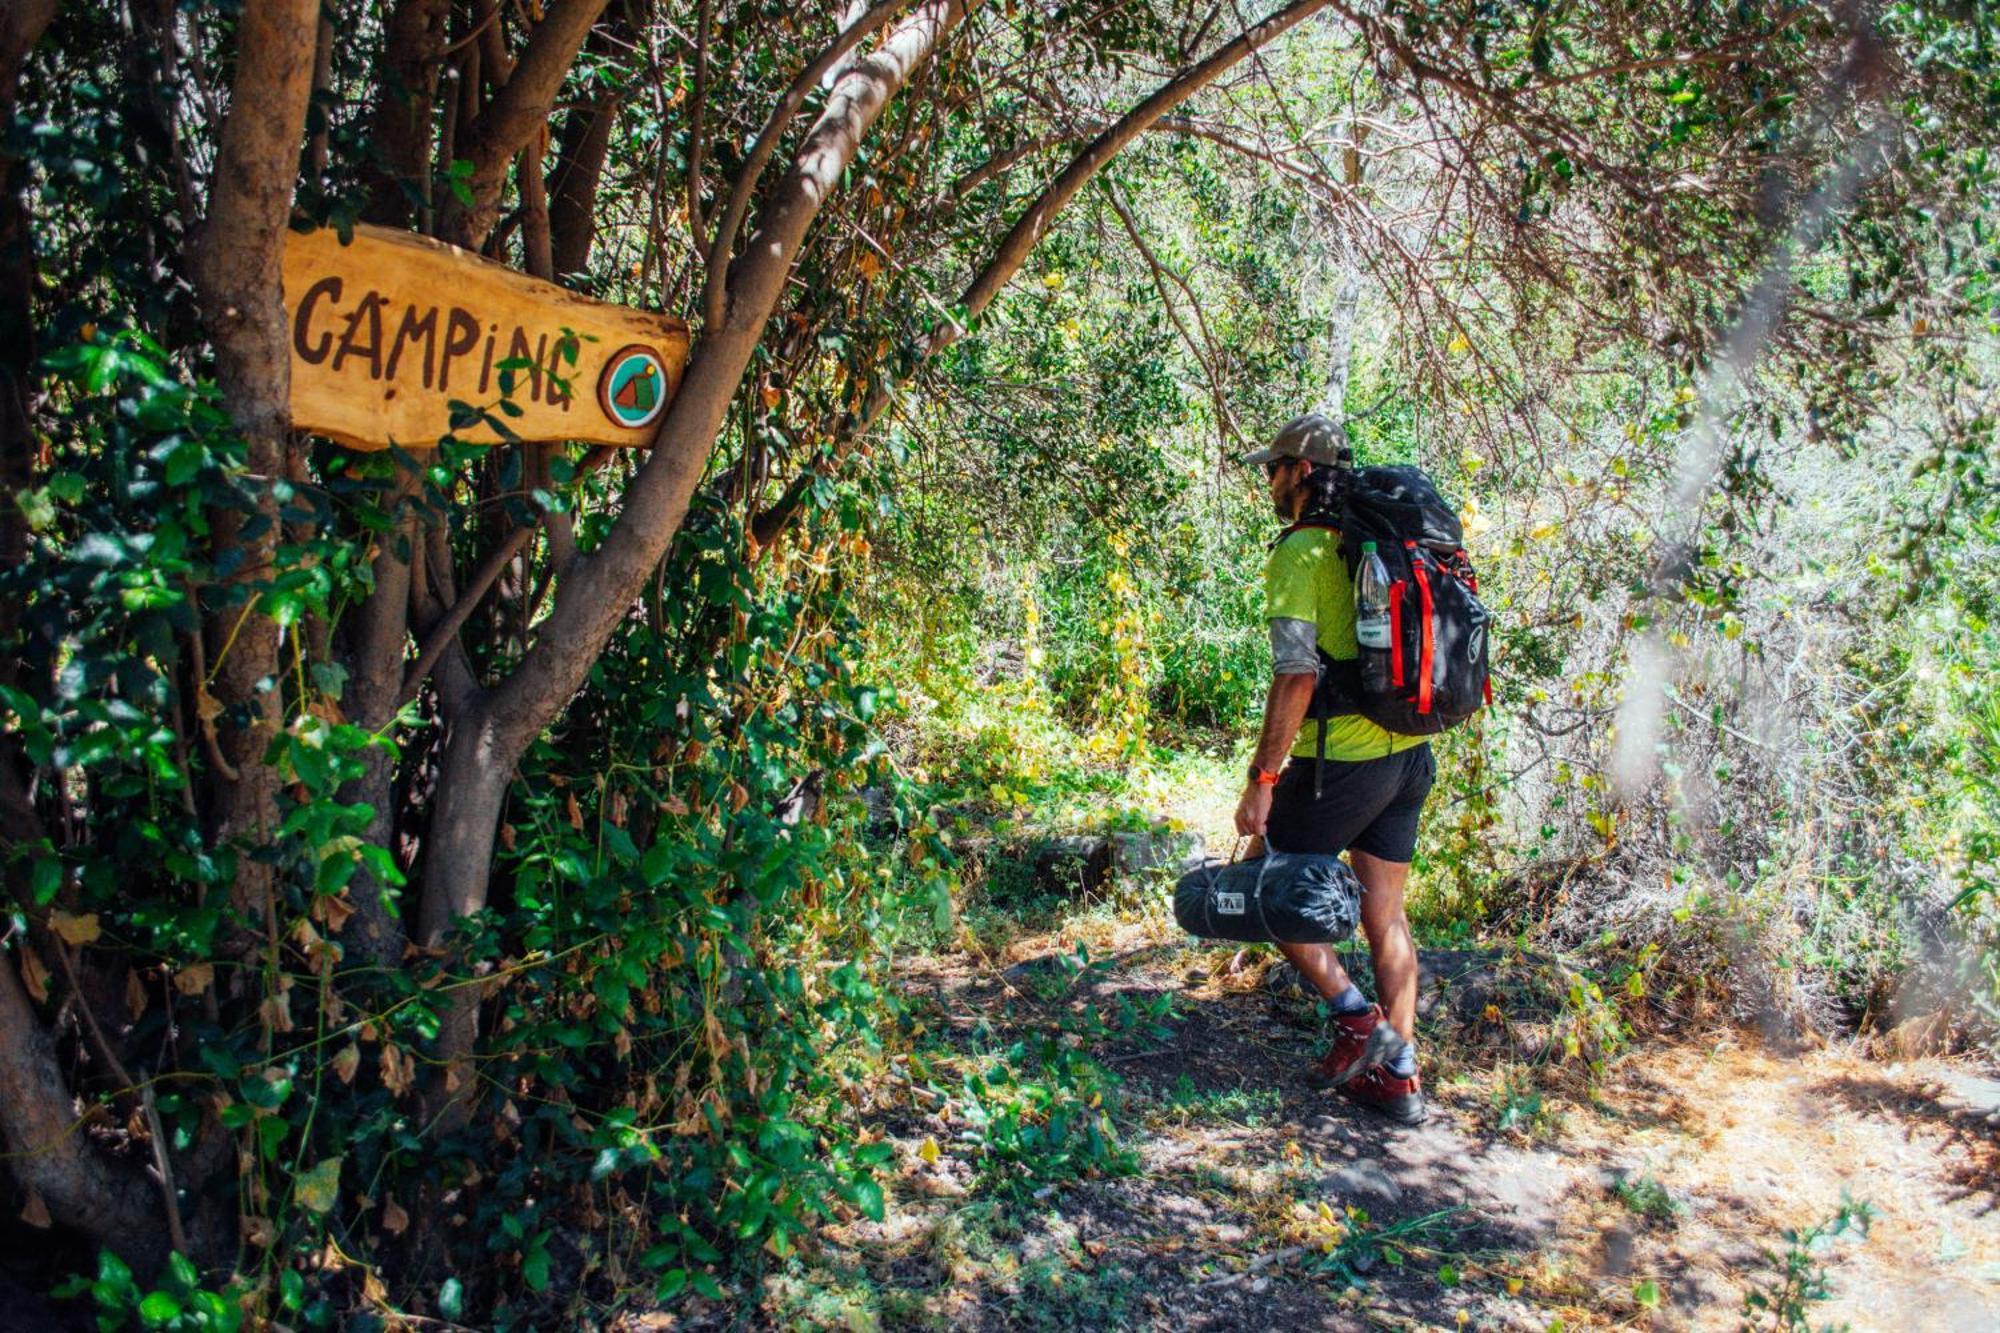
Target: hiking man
{"points": [[1369, 791]]}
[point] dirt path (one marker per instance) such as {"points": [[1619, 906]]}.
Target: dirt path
{"points": [[1649, 1201]]}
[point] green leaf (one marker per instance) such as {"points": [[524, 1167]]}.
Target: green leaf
{"points": [[159, 1307], [535, 1266], [319, 1188], [1647, 1294], [451, 1298]]}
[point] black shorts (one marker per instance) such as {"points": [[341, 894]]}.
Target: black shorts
{"points": [[1370, 805]]}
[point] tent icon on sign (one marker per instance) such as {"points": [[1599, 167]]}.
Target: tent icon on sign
{"points": [[640, 392], [633, 390]]}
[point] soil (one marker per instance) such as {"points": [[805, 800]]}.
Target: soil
{"points": [[1655, 1194]]}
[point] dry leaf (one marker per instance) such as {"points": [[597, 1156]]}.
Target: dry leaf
{"points": [[347, 1062], [507, 836], [36, 1214], [34, 976], [135, 993], [575, 814], [276, 1011], [76, 931], [394, 1220], [258, 1231], [739, 796], [674, 805], [397, 1069], [195, 979], [333, 910]]}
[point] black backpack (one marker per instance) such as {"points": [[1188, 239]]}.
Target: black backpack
{"points": [[1438, 626]]}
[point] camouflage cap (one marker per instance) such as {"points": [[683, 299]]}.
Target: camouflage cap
{"points": [[1314, 437]]}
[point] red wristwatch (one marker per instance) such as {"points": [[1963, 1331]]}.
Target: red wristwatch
{"points": [[1263, 777]]}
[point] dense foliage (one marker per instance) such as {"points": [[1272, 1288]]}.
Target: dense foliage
{"points": [[1692, 307]]}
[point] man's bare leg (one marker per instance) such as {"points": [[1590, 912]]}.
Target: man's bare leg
{"points": [[1321, 968], [1389, 942]]}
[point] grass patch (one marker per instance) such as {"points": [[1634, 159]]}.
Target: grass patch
{"points": [[1648, 1198]]}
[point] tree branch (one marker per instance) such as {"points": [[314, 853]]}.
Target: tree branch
{"points": [[518, 110], [715, 291], [1020, 240]]}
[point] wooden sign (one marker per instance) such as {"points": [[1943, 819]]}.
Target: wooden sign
{"points": [[389, 330]]}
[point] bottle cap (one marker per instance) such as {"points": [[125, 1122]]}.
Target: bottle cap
{"points": [[1368, 548]]}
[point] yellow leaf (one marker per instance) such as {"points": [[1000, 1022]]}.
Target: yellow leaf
{"points": [[1513, 1286], [929, 1151], [1543, 531], [75, 930], [1458, 346], [319, 1188]]}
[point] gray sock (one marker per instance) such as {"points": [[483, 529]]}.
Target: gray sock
{"points": [[1350, 1001], [1404, 1063]]}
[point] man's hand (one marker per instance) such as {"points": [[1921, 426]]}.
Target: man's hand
{"points": [[1254, 809]]}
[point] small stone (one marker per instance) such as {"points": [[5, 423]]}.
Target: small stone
{"points": [[1365, 1177]]}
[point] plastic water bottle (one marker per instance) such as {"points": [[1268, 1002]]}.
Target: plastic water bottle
{"points": [[1371, 620]]}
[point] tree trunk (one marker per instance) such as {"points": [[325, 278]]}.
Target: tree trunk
{"points": [[585, 142], [412, 41], [374, 694], [48, 1154], [237, 272], [519, 110], [493, 732]]}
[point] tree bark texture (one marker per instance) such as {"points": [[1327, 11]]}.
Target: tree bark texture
{"points": [[412, 42], [374, 693], [518, 111], [238, 276], [50, 1153], [583, 145]]}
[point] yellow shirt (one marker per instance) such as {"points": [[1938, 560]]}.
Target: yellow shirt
{"points": [[1305, 579]]}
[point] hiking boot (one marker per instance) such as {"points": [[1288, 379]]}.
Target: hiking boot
{"points": [[1380, 1043], [1401, 1099], [1350, 1041]]}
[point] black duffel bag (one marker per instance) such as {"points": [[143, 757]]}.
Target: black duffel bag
{"points": [[1279, 898]]}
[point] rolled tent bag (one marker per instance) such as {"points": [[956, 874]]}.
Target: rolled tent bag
{"points": [[1279, 898]]}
